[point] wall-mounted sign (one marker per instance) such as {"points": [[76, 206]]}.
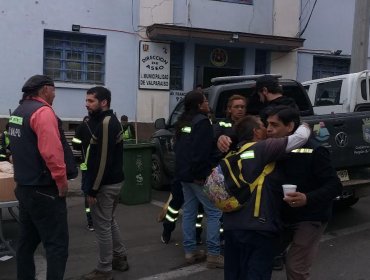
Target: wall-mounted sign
{"points": [[219, 57], [175, 97], [154, 65]]}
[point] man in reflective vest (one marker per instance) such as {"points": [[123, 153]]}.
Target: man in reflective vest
{"points": [[128, 129], [80, 142], [5, 145], [307, 210]]}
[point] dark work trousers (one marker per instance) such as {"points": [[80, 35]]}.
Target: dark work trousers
{"points": [[248, 255], [87, 206], [43, 218], [169, 223]]}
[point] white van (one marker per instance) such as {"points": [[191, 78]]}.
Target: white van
{"points": [[340, 94]]}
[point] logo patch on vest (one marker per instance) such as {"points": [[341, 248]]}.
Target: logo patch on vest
{"points": [[247, 155], [16, 120]]}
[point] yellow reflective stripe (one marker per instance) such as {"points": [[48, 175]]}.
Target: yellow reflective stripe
{"points": [[200, 216], [198, 225], [16, 120], [259, 184], [221, 230], [225, 124], [186, 129], [247, 155], [87, 210], [173, 211], [169, 218], [303, 151], [2, 156], [231, 173], [83, 166], [76, 140]]}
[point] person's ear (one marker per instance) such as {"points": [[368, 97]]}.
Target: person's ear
{"points": [[104, 102], [291, 127]]}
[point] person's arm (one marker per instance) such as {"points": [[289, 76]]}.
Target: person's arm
{"points": [[44, 123], [202, 134], [298, 138]]}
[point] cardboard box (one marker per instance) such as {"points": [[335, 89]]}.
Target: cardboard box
{"points": [[7, 186]]}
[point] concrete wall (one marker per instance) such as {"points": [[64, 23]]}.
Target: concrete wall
{"points": [[22, 34]]}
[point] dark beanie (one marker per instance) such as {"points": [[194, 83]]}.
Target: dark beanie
{"points": [[36, 82]]}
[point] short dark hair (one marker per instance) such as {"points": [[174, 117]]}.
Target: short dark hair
{"points": [[286, 114], [270, 82], [101, 93], [124, 118], [245, 126]]}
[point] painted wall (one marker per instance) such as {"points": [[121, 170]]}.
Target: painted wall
{"points": [[226, 16], [22, 35]]}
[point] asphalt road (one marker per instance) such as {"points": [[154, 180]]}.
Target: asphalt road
{"points": [[344, 251]]}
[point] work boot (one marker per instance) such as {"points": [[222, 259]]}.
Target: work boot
{"points": [[166, 236], [196, 256], [215, 261], [120, 263], [98, 275]]}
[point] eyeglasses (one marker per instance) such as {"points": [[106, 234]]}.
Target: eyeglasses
{"points": [[238, 107]]}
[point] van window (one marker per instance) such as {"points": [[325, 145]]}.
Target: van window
{"points": [[363, 89], [328, 93], [179, 109]]}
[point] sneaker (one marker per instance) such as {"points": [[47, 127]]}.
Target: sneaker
{"points": [[278, 263], [120, 263], [166, 237], [98, 275], [215, 261], [196, 256], [90, 227]]}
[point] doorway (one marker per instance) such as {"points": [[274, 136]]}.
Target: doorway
{"points": [[212, 72]]}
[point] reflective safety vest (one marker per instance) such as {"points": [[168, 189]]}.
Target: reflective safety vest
{"points": [[127, 134], [225, 124]]}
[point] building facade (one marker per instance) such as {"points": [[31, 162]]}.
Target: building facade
{"points": [[149, 53]]}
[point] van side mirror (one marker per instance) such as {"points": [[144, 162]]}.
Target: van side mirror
{"points": [[160, 123]]}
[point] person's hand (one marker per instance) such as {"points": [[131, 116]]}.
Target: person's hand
{"points": [[63, 190], [295, 199], [91, 200], [223, 143]]}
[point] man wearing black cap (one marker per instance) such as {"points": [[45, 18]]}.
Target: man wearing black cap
{"points": [[41, 177]]}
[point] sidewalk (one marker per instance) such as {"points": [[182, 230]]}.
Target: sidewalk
{"points": [[147, 256]]}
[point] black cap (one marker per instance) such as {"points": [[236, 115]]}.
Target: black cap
{"points": [[269, 82], [36, 82]]}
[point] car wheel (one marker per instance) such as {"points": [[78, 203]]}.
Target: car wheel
{"points": [[157, 173]]}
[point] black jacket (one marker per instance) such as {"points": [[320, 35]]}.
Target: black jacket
{"points": [[311, 170], [267, 220], [105, 162], [194, 151], [282, 100]]}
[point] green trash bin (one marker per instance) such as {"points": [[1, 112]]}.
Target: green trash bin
{"points": [[137, 166]]}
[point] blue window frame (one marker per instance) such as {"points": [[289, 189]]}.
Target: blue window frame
{"points": [[74, 57]]}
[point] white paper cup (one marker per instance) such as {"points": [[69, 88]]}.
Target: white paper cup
{"points": [[288, 188]]}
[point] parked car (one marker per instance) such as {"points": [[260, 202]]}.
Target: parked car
{"points": [[340, 94], [346, 135]]}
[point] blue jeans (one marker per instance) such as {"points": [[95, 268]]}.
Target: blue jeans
{"points": [[193, 195], [43, 218]]}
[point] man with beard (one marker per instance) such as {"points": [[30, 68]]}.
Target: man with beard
{"points": [[307, 211], [270, 94], [104, 178]]}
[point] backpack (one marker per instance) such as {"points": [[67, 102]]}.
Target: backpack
{"points": [[228, 189]]}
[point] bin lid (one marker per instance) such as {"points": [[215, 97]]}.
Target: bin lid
{"points": [[138, 145]]}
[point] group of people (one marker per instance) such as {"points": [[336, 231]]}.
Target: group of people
{"points": [[41, 168], [277, 150]]}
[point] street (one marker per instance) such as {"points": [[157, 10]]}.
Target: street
{"points": [[343, 252]]}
